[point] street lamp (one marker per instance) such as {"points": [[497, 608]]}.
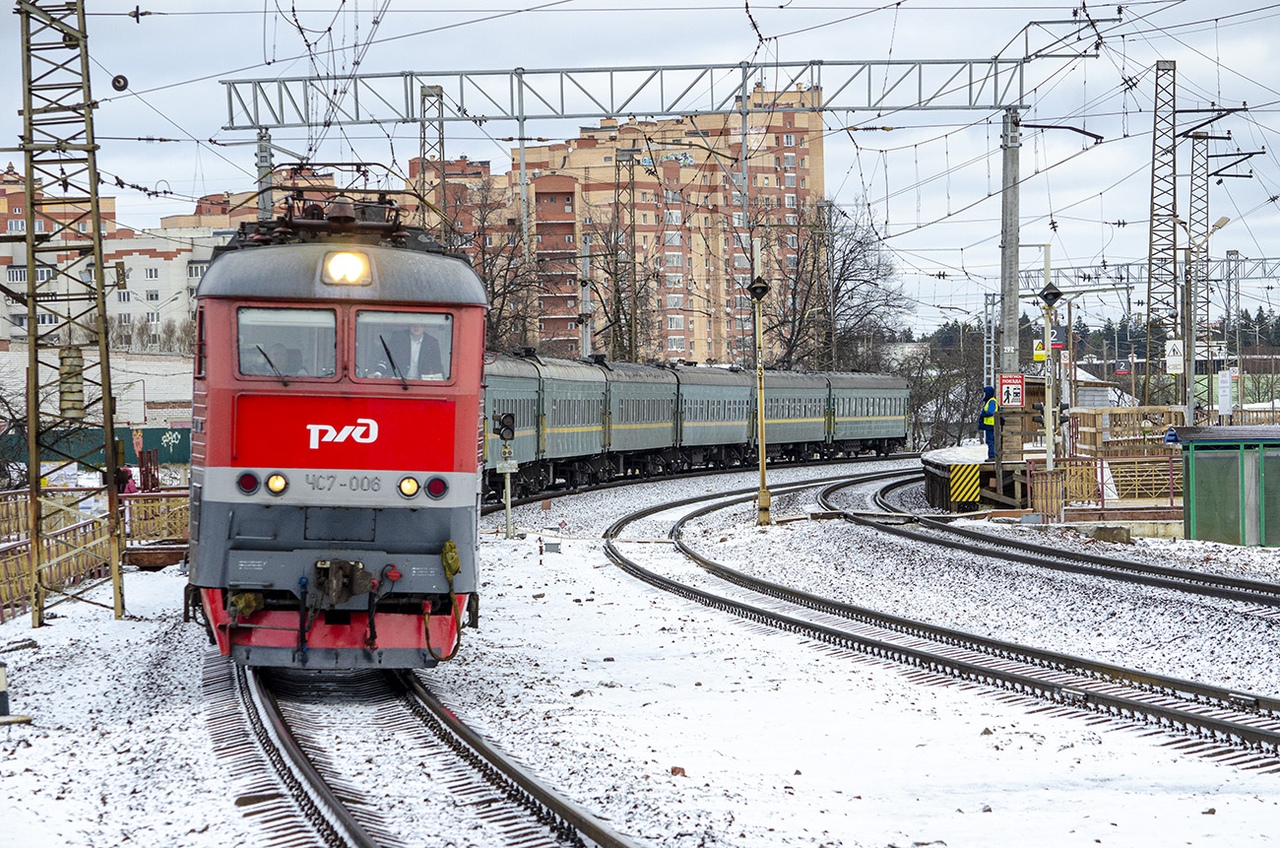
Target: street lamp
{"points": [[758, 289]]}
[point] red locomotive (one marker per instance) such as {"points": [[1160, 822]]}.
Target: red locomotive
{"points": [[337, 402]]}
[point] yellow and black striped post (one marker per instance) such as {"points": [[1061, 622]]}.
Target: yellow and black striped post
{"points": [[965, 484]]}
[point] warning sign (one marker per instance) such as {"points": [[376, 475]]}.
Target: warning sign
{"points": [[1038, 355], [1012, 390]]}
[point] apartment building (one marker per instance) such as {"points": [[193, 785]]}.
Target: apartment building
{"points": [[664, 216]]}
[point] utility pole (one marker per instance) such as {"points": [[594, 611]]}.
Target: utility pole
{"points": [[1010, 142]]}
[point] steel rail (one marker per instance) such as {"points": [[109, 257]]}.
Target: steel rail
{"points": [[317, 802], [567, 820], [617, 482], [1198, 582], [1238, 728]]}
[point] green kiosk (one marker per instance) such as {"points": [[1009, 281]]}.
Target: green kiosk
{"points": [[1232, 491]]}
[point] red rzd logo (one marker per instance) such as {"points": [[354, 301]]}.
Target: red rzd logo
{"points": [[364, 431]]}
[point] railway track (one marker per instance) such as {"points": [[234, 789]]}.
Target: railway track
{"points": [[304, 750], [1242, 727], [893, 520]]}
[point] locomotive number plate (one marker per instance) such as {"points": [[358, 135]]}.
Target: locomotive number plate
{"points": [[344, 482]]}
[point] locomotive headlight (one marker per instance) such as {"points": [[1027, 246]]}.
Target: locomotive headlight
{"points": [[346, 268], [277, 483], [409, 487]]}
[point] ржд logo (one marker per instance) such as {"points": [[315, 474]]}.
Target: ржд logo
{"points": [[365, 430]]}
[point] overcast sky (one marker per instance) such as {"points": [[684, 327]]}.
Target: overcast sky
{"points": [[931, 183]]}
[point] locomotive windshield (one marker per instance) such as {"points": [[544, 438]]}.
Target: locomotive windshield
{"points": [[287, 342], [403, 345]]}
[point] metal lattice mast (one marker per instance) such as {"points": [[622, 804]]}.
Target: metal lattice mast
{"points": [[990, 312], [69, 373], [1162, 278], [431, 149], [1197, 269]]}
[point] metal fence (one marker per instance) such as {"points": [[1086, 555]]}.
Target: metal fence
{"points": [[78, 551]]}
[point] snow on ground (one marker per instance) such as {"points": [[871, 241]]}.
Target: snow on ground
{"points": [[680, 725]]}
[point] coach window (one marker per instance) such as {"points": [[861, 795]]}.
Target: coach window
{"points": [[287, 342], [403, 345]]}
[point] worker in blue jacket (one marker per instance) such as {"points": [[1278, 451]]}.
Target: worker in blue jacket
{"points": [[990, 411]]}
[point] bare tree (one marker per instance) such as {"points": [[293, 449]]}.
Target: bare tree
{"points": [[837, 296], [498, 256]]}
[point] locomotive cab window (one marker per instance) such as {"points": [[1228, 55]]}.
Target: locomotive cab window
{"points": [[287, 342], [403, 345]]}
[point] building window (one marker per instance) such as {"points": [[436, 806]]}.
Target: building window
{"points": [[674, 260], [791, 201], [792, 240], [153, 317], [669, 196], [568, 239], [674, 281], [153, 295], [672, 216], [793, 262], [125, 317], [195, 270], [672, 238], [791, 220], [675, 343], [17, 225], [741, 239], [788, 140], [675, 322], [739, 219], [122, 296], [152, 273], [741, 261], [789, 180], [675, 301], [788, 161]]}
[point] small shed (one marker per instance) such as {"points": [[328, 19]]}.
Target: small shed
{"points": [[1232, 491]]}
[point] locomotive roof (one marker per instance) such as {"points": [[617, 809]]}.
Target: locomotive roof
{"points": [[292, 272]]}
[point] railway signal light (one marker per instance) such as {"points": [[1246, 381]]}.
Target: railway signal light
{"points": [[1038, 407], [504, 425]]}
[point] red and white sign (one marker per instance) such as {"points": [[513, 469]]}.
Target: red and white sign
{"points": [[1012, 390], [373, 434]]}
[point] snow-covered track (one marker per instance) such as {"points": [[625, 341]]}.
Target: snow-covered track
{"points": [[275, 782], [1243, 726], [304, 741], [939, 532]]}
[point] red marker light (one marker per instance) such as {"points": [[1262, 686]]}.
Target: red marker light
{"points": [[436, 487], [247, 482]]}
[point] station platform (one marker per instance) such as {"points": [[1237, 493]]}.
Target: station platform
{"points": [[962, 480]]}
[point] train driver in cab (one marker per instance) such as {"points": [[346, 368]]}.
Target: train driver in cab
{"points": [[409, 349]]}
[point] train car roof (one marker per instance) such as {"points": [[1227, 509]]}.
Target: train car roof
{"points": [[569, 369], [794, 380], [631, 372], [509, 366], [864, 380], [697, 376], [292, 272]]}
